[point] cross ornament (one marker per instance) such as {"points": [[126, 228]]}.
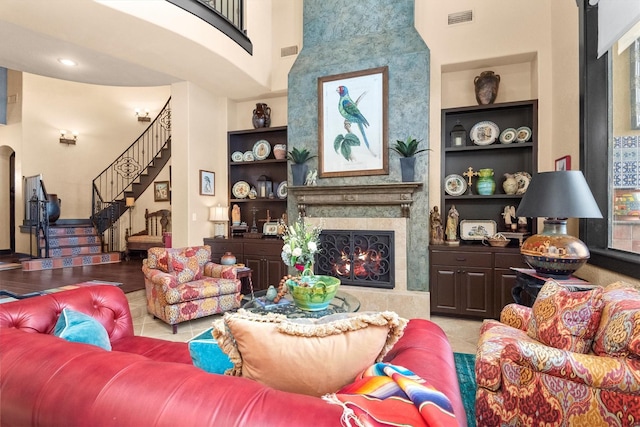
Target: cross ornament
{"points": [[470, 174]]}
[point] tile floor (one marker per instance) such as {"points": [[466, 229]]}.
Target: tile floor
{"points": [[463, 334]]}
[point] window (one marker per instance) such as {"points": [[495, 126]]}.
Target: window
{"points": [[602, 128]]}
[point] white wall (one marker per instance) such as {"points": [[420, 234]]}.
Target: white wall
{"points": [[199, 142]]}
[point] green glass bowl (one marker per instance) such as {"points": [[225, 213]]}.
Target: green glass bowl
{"points": [[317, 295]]}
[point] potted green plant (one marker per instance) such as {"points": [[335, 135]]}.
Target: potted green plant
{"points": [[408, 150], [299, 167]]}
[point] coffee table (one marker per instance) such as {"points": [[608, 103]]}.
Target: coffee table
{"points": [[341, 303]]}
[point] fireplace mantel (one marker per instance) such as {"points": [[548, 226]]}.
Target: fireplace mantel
{"points": [[400, 194]]}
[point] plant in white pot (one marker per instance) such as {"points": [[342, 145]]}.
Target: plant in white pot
{"points": [[408, 150], [299, 167]]}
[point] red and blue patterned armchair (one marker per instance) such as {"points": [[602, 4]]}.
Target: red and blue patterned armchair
{"points": [[182, 284], [573, 359]]}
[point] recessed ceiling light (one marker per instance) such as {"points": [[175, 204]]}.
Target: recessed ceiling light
{"points": [[67, 62]]}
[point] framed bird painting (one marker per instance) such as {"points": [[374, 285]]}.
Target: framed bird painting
{"points": [[352, 123]]}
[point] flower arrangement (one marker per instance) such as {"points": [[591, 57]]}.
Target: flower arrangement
{"points": [[300, 244]]}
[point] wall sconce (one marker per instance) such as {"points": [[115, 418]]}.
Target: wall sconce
{"points": [[220, 216], [144, 118], [68, 141], [130, 202]]}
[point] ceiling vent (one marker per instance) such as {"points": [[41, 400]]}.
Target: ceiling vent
{"points": [[460, 17]]}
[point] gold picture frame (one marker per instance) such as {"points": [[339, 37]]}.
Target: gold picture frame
{"points": [[352, 123]]}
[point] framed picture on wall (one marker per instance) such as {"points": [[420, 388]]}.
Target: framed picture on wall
{"points": [[161, 191], [207, 183], [352, 123]]}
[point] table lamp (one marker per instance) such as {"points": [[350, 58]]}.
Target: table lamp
{"points": [[220, 216], [557, 196]]}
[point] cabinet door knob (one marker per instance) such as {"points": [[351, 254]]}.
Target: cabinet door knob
{"points": [[461, 258]]}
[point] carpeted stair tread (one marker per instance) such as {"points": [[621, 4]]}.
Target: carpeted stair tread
{"points": [[70, 261]]}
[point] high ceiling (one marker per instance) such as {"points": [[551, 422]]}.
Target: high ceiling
{"points": [[113, 48]]}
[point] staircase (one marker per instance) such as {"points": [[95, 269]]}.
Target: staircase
{"points": [[70, 245], [129, 176]]}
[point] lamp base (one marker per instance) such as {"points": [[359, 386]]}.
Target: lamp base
{"points": [[555, 253]]}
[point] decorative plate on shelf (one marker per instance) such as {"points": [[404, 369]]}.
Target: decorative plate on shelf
{"points": [[236, 156], [477, 229], [282, 190], [484, 133], [240, 189], [523, 134], [261, 149], [455, 185], [508, 136], [248, 156]]}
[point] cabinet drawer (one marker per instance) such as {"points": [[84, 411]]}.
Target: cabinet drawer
{"points": [[271, 248], [223, 246], [510, 260], [476, 259]]}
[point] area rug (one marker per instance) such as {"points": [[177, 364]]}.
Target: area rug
{"points": [[465, 368], [9, 266], [6, 296]]}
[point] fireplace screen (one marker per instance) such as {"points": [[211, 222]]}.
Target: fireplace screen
{"points": [[359, 258]]}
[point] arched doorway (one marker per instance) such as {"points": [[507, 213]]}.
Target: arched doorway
{"points": [[7, 200]]}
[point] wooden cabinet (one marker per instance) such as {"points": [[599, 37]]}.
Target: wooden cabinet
{"points": [[502, 158], [472, 281], [461, 283], [250, 171], [262, 256]]}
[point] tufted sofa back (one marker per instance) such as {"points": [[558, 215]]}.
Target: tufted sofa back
{"points": [[108, 304]]}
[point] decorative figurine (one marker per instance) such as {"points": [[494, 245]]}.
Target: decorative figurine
{"points": [[235, 215], [312, 177], [435, 222], [452, 227], [509, 215]]}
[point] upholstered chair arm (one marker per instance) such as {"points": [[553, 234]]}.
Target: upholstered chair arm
{"points": [[212, 269], [516, 316], [157, 277], [601, 372]]}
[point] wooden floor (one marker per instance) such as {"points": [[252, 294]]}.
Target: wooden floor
{"points": [[129, 273]]}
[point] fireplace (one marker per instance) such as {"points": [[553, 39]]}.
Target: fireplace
{"points": [[357, 257]]}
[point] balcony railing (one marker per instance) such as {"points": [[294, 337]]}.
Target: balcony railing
{"points": [[226, 15]]}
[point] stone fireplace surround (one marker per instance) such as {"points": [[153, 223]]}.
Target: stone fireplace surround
{"points": [[325, 202]]}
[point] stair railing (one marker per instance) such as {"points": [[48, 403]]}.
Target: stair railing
{"points": [[37, 215], [110, 186]]}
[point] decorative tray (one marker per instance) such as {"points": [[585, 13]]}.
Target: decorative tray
{"points": [[477, 229]]}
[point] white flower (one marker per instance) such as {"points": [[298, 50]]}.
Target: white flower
{"points": [[312, 246], [297, 252], [286, 249]]}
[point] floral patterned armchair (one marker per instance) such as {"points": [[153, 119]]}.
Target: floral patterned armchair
{"points": [[573, 359], [182, 284]]}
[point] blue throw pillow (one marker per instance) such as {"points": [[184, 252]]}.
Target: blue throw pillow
{"points": [[206, 354], [79, 327]]}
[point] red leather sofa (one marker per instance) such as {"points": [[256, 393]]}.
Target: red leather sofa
{"points": [[47, 381]]}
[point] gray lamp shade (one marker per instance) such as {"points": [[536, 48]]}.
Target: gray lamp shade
{"points": [[560, 194]]}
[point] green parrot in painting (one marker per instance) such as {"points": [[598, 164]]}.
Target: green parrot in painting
{"points": [[350, 111]]}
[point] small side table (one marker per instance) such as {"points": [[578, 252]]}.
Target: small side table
{"points": [[244, 274], [528, 284]]}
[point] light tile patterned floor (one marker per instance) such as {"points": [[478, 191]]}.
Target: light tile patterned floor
{"points": [[463, 334]]}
